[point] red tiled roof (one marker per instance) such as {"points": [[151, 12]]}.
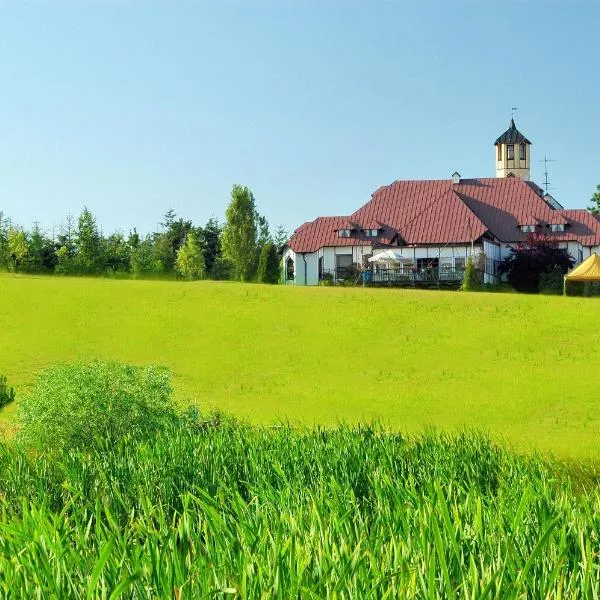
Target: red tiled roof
{"points": [[583, 227], [322, 232], [421, 214], [441, 212]]}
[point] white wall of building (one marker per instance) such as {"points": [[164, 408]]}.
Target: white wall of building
{"points": [[306, 267]]}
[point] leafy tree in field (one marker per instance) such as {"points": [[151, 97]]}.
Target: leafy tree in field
{"points": [[117, 254], [143, 257], [170, 240], [41, 257], [241, 233], [268, 264], [65, 263], [211, 238], [89, 257], [595, 200], [532, 258], [17, 247], [190, 258]]}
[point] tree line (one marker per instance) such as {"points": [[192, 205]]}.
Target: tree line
{"points": [[243, 247]]}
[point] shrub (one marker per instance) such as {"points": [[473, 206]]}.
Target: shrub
{"points": [[530, 259], [551, 282], [269, 270], [7, 394], [471, 281], [326, 279], [78, 405]]}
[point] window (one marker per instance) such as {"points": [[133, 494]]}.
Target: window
{"points": [[459, 263], [522, 152], [557, 227], [344, 233], [289, 268], [527, 228], [343, 261], [343, 264], [371, 232], [510, 152], [499, 152]]}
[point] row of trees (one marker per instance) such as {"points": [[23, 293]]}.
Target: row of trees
{"points": [[242, 248]]}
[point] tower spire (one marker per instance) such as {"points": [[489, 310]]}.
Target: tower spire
{"points": [[513, 152]]}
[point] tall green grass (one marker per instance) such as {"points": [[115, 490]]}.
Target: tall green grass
{"points": [[231, 511]]}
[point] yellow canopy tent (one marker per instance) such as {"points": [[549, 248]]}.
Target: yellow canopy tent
{"points": [[588, 270]]}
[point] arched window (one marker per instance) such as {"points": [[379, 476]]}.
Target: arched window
{"points": [[289, 268], [511, 175]]}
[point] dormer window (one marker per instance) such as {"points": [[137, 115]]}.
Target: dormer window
{"points": [[510, 152], [527, 228], [557, 227], [371, 232], [344, 233]]}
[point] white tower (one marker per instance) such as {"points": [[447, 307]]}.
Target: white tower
{"points": [[513, 153]]}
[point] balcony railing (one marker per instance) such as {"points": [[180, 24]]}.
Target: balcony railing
{"points": [[391, 275]]}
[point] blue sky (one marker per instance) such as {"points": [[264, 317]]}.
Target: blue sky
{"points": [[131, 107]]}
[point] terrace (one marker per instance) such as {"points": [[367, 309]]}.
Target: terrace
{"points": [[397, 276]]}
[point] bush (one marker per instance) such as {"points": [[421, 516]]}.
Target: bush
{"points": [[269, 270], [551, 282], [7, 394], [79, 405], [529, 260], [471, 280]]}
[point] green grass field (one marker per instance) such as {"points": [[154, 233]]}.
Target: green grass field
{"points": [[523, 368]]}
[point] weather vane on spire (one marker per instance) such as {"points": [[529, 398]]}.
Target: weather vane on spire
{"points": [[513, 110]]}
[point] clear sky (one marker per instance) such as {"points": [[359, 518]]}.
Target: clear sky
{"points": [[133, 106]]}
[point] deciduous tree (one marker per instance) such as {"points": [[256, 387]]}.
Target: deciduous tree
{"points": [[190, 258], [17, 247], [530, 259], [239, 239]]}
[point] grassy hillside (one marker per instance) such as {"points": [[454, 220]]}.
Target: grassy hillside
{"points": [[523, 368]]}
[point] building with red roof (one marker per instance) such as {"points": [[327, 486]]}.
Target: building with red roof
{"points": [[439, 223]]}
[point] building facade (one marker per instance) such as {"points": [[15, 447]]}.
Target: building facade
{"points": [[435, 225]]}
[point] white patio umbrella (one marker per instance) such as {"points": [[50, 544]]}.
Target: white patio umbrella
{"points": [[386, 256]]}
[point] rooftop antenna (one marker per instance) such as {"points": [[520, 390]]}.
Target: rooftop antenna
{"points": [[546, 182]]}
